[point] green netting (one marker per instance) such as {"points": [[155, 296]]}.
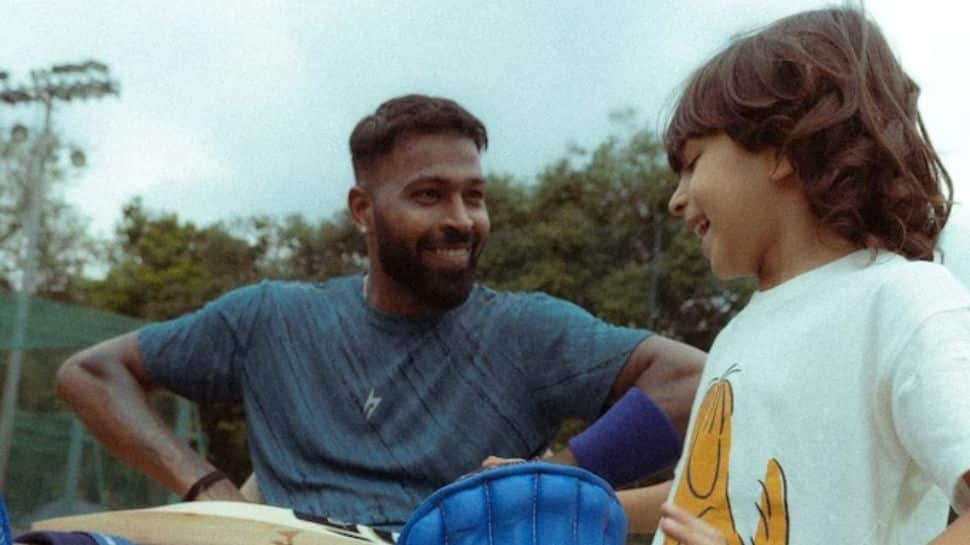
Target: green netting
{"points": [[38, 481], [54, 467], [58, 325]]}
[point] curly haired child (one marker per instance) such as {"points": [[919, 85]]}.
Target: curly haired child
{"points": [[835, 408]]}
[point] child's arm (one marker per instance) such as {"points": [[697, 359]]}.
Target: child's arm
{"points": [[957, 533], [642, 506], [678, 524]]}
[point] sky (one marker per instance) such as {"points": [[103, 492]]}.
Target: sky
{"points": [[230, 109]]}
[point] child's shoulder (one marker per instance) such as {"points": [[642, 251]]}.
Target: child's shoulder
{"points": [[921, 286]]}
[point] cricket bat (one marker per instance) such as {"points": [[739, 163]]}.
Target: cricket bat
{"points": [[219, 523]]}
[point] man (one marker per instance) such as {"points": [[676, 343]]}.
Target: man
{"points": [[365, 393]]}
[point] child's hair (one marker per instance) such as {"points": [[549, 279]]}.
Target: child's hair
{"points": [[825, 90]]}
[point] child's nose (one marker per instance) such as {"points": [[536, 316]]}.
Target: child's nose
{"points": [[677, 202]]}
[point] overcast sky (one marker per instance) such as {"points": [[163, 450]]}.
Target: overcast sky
{"points": [[230, 109]]}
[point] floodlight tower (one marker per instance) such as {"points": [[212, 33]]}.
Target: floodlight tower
{"points": [[61, 82]]}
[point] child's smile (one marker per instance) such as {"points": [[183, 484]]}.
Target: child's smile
{"points": [[698, 224]]}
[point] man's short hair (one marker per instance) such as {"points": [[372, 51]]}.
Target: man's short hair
{"points": [[374, 135]]}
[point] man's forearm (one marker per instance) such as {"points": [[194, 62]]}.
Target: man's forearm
{"points": [[671, 377], [116, 411], [642, 506]]}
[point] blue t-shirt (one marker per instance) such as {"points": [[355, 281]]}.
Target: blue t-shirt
{"points": [[359, 415]]}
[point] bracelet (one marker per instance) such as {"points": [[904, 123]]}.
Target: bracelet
{"points": [[203, 483]]}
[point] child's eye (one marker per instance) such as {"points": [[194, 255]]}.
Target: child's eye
{"points": [[693, 163]]}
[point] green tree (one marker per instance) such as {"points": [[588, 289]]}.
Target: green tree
{"points": [[594, 229], [161, 267], [308, 251], [63, 246]]}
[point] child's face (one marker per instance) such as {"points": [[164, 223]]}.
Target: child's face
{"points": [[728, 197]]}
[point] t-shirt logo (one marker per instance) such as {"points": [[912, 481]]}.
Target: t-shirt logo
{"points": [[703, 487], [371, 404]]}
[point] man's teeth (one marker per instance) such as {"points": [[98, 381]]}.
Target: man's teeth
{"points": [[457, 252]]}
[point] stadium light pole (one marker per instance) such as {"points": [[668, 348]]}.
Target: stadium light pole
{"points": [[63, 82]]}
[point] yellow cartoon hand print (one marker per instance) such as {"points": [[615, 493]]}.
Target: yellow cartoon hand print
{"points": [[703, 487]]}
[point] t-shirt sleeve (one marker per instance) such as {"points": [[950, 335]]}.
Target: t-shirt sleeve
{"points": [[931, 405], [198, 355], [572, 357]]}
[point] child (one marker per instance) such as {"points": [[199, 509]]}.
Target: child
{"points": [[835, 408]]}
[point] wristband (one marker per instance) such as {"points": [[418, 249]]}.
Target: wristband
{"points": [[632, 440], [203, 483]]}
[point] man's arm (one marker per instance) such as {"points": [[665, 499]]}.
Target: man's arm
{"points": [[106, 386], [667, 371], [642, 506]]}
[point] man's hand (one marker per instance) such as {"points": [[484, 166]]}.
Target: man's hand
{"points": [[564, 457], [223, 490], [495, 461]]}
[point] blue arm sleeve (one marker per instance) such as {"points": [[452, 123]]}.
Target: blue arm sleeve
{"points": [[633, 440], [198, 355]]}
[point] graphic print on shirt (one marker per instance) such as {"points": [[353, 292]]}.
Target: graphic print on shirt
{"points": [[371, 404], [703, 486]]}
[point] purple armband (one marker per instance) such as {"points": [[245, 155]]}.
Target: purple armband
{"points": [[631, 441]]}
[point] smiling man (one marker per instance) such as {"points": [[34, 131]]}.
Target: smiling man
{"points": [[365, 393], [421, 205]]}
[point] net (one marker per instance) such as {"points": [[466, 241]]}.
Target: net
{"points": [[51, 324], [55, 468]]}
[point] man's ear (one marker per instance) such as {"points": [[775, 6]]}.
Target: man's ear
{"points": [[360, 207], [783, 169]]}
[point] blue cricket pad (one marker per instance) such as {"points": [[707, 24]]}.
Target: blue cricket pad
{"points": [[71, 538], [527, 503], [5, 537], [631, 441]]}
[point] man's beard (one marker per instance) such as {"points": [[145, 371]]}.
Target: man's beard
{"points": [[439, 288]]}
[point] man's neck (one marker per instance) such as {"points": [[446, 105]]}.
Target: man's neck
{"points": [[390, 297]]}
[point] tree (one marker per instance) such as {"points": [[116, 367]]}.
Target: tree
{"points": [[161, 267], [316, 252], [64, 247], [595, 230]]}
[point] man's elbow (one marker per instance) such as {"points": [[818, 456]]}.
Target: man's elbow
{"points": [[89, 374], [110, 366], [672, 379], [73, 377]]}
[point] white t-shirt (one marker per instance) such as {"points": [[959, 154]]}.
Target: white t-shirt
{"points": [[955, 244], [835, 408]]}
